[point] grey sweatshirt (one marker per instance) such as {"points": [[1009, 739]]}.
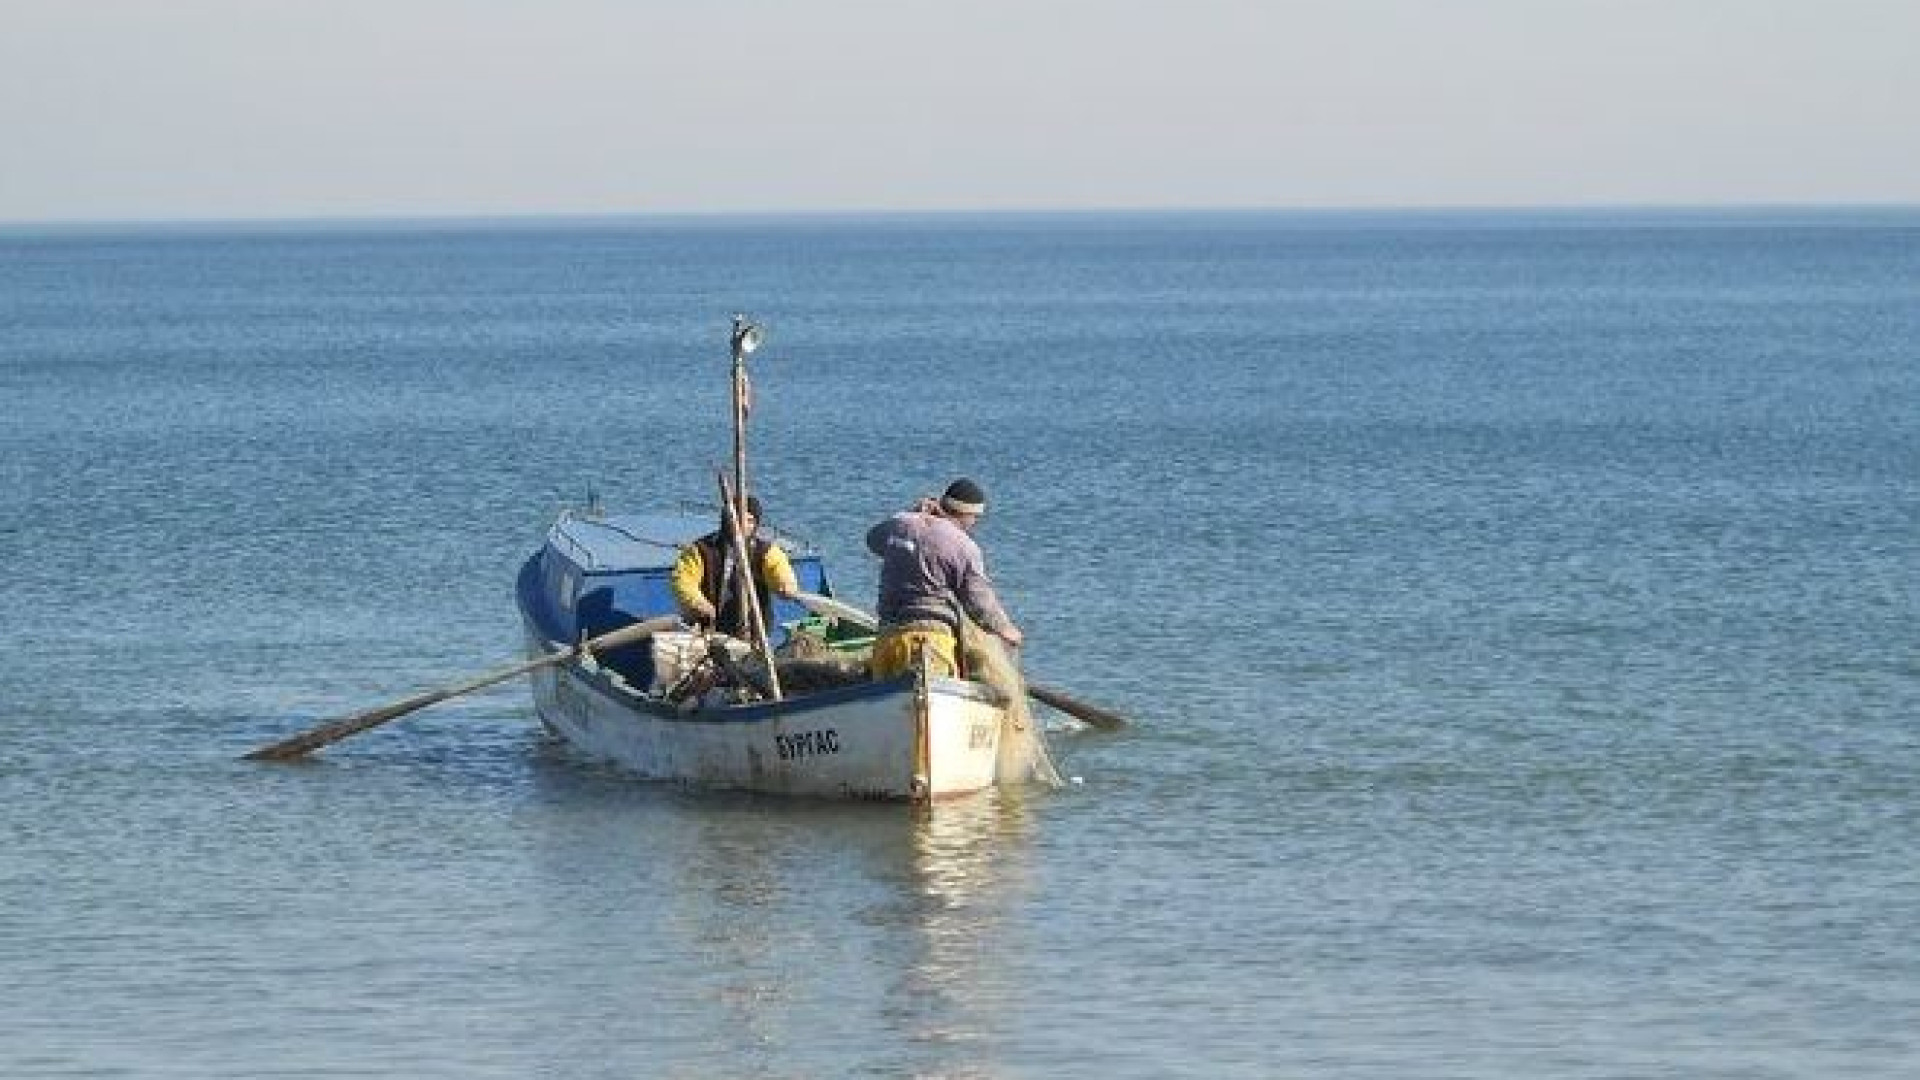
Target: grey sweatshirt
{"points": [[927, 563]]}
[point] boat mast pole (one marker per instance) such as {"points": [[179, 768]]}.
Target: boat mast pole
{"points": [[746, 338]]}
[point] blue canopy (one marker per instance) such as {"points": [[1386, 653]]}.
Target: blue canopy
{"points": [[602, 572]]}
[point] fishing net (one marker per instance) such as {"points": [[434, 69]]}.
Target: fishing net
{"points": [[1023, 746]]}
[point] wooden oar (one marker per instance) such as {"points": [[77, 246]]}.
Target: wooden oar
{"points": [[1103, 719], [1093, 715], [333, 731], [834, 609]]}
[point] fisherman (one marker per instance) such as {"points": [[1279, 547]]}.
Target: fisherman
{"points": [[932, 571], [707, 587]]}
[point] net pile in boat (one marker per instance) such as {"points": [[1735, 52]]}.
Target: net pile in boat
{"points": [[809, 665], [1023, 752]]}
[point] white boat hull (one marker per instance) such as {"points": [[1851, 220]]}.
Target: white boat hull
{"points": [[907, 739]]}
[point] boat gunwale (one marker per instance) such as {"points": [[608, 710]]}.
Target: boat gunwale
{"points": [[611, 685]]}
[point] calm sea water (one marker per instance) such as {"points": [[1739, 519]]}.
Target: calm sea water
{"points": [[1521, 616]]}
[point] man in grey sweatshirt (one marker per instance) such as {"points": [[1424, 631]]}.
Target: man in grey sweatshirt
{"points": [[931, 570]]}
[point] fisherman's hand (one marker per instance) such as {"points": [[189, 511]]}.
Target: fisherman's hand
{"points": [[1011, 635], [926, 504]]}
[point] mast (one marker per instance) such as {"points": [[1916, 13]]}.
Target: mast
{"points": [[746, 338]]}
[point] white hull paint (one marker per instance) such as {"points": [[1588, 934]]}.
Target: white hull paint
{"points": [[864, 742]]}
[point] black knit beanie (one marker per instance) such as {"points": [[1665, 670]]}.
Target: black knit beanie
{"points": [[964, 497]]}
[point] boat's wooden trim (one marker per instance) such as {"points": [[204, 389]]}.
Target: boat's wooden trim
{"points": [[922, 786]]}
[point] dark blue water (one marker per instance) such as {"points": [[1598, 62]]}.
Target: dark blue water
{"points": [[1521, 616]]}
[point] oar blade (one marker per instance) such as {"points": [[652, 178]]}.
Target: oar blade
{"points": [[298, 746], [1092, 715]]}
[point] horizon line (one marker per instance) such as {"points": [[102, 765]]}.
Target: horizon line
{"points": [[562, 217]]}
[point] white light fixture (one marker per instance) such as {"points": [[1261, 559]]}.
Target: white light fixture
{"points": [[746, 337]]}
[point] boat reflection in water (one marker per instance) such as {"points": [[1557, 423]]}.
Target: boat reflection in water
{"points": [[736, 934], [964, 935]]}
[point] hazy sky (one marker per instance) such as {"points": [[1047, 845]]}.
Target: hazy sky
{"points": [[118, 109]]}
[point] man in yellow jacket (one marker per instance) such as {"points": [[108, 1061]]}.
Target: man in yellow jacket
{"points": [[707, 587]]}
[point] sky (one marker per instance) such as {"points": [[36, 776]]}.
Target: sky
{"points": [[114, 110]]}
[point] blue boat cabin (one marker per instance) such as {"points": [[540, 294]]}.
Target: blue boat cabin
{"points": [[597, 574]]}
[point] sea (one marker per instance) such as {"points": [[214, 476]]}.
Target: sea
{"points": [[1517, 614]]}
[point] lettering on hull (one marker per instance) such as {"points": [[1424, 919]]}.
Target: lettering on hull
{"points": [[805, 744]]}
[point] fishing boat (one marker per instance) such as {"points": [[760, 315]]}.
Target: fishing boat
{"points": [[685, 705]]}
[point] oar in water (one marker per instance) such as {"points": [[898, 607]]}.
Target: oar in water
{"points": [[1093, 715], [1104, 719], [333, 731]]}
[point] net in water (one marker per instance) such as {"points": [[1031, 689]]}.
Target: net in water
{"points": [[1023, 754]]}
